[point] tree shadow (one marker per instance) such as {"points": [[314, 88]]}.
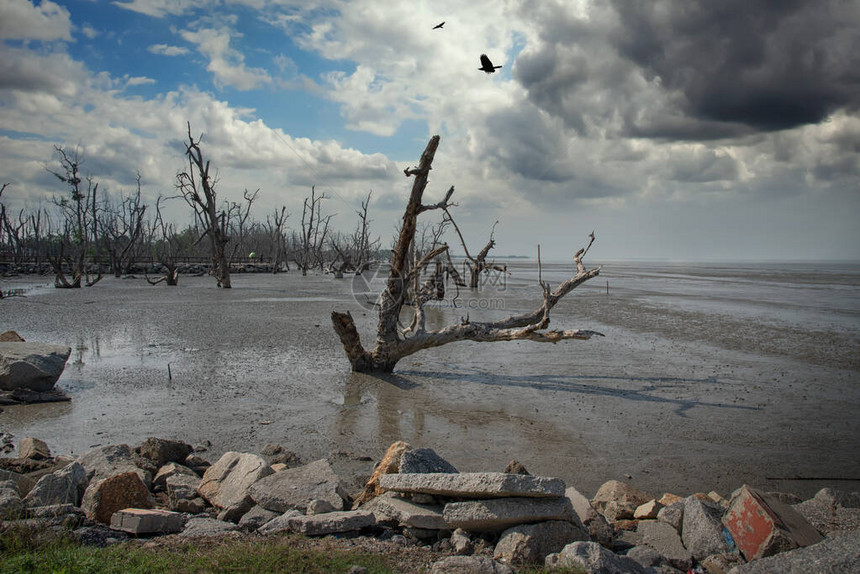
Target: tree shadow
{"points": [[579, 384]]}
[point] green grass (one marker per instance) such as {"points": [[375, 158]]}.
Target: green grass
{"points": [[36, 552]]}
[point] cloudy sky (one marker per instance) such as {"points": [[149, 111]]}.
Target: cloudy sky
{"points": [[676, 129]]}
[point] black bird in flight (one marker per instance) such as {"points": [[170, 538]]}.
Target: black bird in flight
{"points": [[486, 65], [437, 26]]}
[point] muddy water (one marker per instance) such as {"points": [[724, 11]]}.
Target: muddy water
{"points": [[707, 377]]}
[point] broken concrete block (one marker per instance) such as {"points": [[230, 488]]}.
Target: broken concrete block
{"points": [[702, 530], [208, 527], [763, 526], [226, 483], [424, 460], [147, 521], [390, 507], [592, 521], [469, 565], [500, 513], [320, 524], [592, 557], [474, 484], [672, 515]]}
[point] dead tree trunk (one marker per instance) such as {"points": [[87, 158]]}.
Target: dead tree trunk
{"points": [[394, 343]]}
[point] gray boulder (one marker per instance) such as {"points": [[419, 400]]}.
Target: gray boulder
{"points": [[836, 554], [702, 530], [33, 448], [469, 565], [105, 461], [108, 495], [592, 557], [424, 460], [831, 511], [31, 366], [673, 515], [388, 507], [65, 486], [532, 543], [592, 521], [664, 539], [171, 469], [197, 527], [323, 524], [11, 505], [295, 488], [255, 518], [226, 484], [23, 483]]}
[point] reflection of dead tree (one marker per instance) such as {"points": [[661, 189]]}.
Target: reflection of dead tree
{"points": [[392, 344], [312, 238], [79, 237]]}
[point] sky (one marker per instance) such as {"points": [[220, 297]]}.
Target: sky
{"points": [[675, 129]]}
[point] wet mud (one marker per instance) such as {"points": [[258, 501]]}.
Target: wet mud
{"points": [[674, 398]]}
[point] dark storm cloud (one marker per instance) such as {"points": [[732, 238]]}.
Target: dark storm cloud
{"points": [[767, 64], [683, 70]]}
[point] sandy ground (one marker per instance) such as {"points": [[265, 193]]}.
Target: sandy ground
{"points": [[661, 401]]}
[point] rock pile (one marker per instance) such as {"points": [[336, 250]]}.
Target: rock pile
{"points": [[482, 521]]}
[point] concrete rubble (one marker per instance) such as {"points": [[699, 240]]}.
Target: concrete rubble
{"points": [[484, 521]]}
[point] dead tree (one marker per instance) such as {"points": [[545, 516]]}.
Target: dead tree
{"points": [[308, 250], [80, 232], [275, 226], [123, 226], [198, 188], [393, 343], [365, 248], [165, 245], [477, 264]]}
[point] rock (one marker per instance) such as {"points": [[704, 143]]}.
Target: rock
{"points": [[106, 461], [830, 511], [592, 521], [143, 521], [673, 515], [474, 484], [647, 511], [462, 543], [276, 454], [32, 366], [11, 505], [645, 556], [172, 469], [196, 527], [837, 554], [389, 507], [161, 451], [532, 543], [317, 506], [718, 498], [500, 513], [295, 488], [226, 484], [515, 467], [389, 464], [469, 565], [182, 493], [64, 486], [721, 563], [106, 496], [197, 463], [23, 483], [54, 511], [424, 460], [281, 523], [763, 526], [702, 530], [669, 499], [10, 337], [329, 523], [667, 542], [592, 557], [33, 448], [616, 500], [255, 518]]}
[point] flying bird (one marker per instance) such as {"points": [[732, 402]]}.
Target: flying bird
{"points": [[437, 26], [486, 65]]}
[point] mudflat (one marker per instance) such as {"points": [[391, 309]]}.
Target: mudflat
{"points": [[692, 389]]}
